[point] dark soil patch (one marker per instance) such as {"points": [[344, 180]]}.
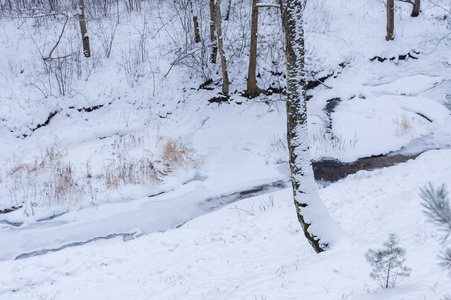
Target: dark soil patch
{"points": [[8, 210], [205, 85], [412, 54], [90, 109], [47, 122], [275, 90], [311, 84], [219, 99]]}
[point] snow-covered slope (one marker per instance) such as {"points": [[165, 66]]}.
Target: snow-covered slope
{"points": [[254, 249]]}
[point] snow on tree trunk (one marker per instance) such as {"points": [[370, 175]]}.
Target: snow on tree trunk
{"points": [[195, 23], [214, 51], [225, 74], [319, 228], [83, 30], [229, 8]]}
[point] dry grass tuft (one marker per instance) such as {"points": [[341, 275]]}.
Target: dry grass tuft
{"points": [[403, 125], [176, 155], [126, 169]]}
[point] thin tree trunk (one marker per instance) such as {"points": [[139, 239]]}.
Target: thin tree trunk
{"points": [[214, 51], [390, 19], [388, 275], [252, 89], [318, 227], [225, 74], [416, 9], [83, 30], [196, 24], [229, 7]]}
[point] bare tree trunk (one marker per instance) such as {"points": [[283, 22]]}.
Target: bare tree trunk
{"points": [[228, 10], [252, 89], [225, 74], [196, 24], [390, 19], [214, 51], [416, 9], [83, 30], [318, 227]]}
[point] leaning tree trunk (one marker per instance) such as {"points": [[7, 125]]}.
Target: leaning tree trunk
{"points": [[252, 89], [225, 74], [416, 9], [319, 228], [83, 30], [390, 20], [214, 51]]}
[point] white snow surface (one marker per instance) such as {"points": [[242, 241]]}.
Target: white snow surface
{"points": [[181, 238]]}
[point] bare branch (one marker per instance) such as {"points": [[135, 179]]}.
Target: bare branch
{"points": [[59, 57], [59, 39], [267, 5], [185, 54], [321, 82], [439, 6], [407, 1]]}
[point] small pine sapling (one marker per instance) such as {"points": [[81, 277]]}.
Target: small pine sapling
{"points": [[438, 211], [388, 263]]}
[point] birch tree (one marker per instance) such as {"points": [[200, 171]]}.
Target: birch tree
{"points": [[214, 50], [225, 74], [318, 227], [83, 30], [195, 23]]}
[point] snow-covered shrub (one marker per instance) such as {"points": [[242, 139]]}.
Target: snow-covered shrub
{"points": [[438, 211], [388, 262]]}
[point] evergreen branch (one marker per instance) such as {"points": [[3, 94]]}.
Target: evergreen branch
{"points": [[437, 206]]}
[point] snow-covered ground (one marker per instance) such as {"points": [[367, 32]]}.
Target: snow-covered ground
{"points": [[254, 249], [160, 239]]}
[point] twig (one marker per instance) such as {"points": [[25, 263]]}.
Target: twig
{"points": [[407, 1], [322, 83], [439, 6], [184, 55], [59, 57]]}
